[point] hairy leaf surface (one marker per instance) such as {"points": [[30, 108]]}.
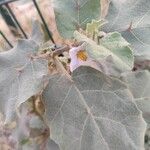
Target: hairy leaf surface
{"points": [[94, 111], [112, 46], [21, 76], [132, 18], [139, 84], [37, 32], [74, 14], [122, 13], [139, 38]]}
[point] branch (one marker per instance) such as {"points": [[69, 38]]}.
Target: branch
{"points": [[59, 51]]}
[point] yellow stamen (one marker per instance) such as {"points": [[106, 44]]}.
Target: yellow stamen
{"points": [[82, 55]]}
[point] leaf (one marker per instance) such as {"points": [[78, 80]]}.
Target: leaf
{"points": [[132, 19], [21, 76], [139, 38], [37, 33], [52, 145], [74, 14], [139, 85], [122, 13], [95, 111], [111, 45], [40, 37]]}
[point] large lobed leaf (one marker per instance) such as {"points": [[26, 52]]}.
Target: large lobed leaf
{"points": [[132, 18], [74, 14], [21, 76], [113, 47], [93, 112]]}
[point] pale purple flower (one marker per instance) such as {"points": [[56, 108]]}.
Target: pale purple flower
{"points": [[75, 61]]}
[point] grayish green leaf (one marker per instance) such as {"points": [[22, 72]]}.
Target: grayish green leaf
{"points": [[133, 15], [139, 85], [95, 111], [122, 13], [74, 14], [52, 145], [37, 32], [20, 77], [111, 45], [139, 38]]}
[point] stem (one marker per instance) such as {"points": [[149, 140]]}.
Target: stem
{"points": [[59, 51]]}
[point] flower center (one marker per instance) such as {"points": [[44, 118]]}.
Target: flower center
{"points": [[82, 55]]}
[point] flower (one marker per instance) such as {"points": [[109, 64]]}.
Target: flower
{"points": [[78, 56]]}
